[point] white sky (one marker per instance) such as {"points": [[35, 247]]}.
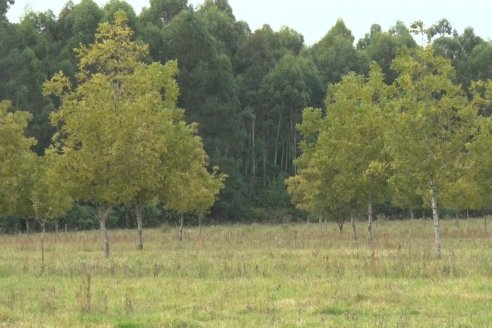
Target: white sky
{"points": [[313, 18]]}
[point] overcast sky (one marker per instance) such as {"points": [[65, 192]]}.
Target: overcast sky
{"points": [[313, 18]]}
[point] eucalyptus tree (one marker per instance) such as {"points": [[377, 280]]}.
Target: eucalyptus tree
{"points": [[288, 88], [431, 122], [209, 92], [4, 7], [382, 47], [335, 54]]}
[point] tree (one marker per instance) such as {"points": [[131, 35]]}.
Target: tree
{"points": [[288, 88], [349, 161], [210, 95], [161, 12], [119, 128], [431, 122], [382, 47], [113, 6], [480, 161], [4, 7], [222, 25], [15, 157], [335, 54], [314, 188], [47, 197]]}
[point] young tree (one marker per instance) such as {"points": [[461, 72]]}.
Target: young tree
{"points": [[480, 160], [15, 157], [121, 130], [47, 198], [349, 157], [431, 122]]}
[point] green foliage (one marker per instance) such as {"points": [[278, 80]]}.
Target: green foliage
{"points": [[383, 47], [343, 164], [432, 120], [244, 88], [122, 138], [15, 158], [335, 54]]}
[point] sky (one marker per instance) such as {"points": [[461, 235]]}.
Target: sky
{"points": [[314, 18]]}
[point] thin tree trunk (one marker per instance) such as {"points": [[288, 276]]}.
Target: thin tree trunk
{"points": [[277, 138], [43, 231], [354, 228], [56, 226], [412, 214], [467, 214], [291, 146], [181, 221], [457, 219], [435, 216], [369, 220], [282, 158], [103, 215], [341, 223], [200, 217], [138, 214], [265, 159], [127, 219], [28, 227], [253, 149]]}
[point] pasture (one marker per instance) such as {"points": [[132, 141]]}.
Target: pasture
{"points": [[291, 275]]}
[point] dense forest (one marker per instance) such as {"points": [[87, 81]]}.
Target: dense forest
{"points": [[247, 91]]}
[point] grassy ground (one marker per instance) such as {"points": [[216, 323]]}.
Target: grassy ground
{"points": [[251, 276]]}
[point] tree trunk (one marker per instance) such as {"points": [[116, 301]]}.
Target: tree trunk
{"points": [[138, 214], [467, 214], [435, 216], [412, 214], [292, 145], [127, 219], [369, 220], [56, 226], [43, 231], [277, 138], [181, 221], [28, 227], [200, 218], [457, 219], [103, 215], [354, 228], [253, 150], [341, 223], [265, 159]]}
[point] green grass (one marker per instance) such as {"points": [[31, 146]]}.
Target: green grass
{"points": [[251, 276]]}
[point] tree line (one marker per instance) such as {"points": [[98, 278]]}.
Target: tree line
{"points": [[246, 90]]}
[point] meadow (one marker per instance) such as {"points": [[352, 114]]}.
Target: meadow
{"points": [[290, 275]]}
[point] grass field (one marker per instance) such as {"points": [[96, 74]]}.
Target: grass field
{"points": [[302, 275]]}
